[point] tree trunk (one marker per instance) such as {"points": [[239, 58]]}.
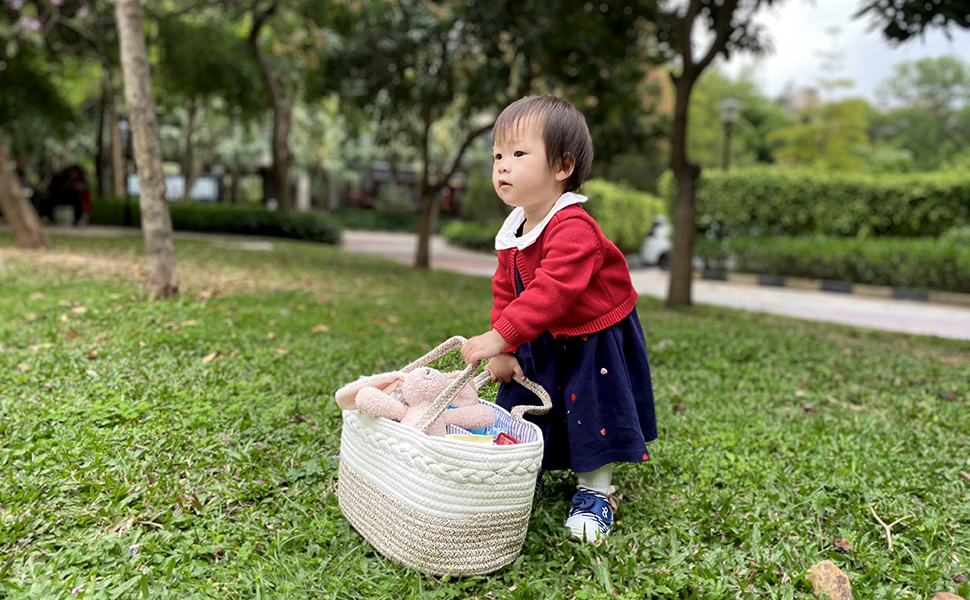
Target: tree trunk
{"points": [[17, 209], [101, 157], [156, 222], [282, 114], [188, 157], [119, 172], [429, 204], [681, 257], [333, 190]]}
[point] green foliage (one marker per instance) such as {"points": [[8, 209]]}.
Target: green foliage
{"points": [[773, 201], [925, 263], [749, 141], [932, 115], [204, 61], [395, 201], [229, 218], [902, 19], [372, 220], [31, 105], [832, 136], [475, 235], [625, 215], [958, 236], [155, 471], [480, 203]]}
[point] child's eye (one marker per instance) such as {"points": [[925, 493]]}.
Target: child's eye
{"points": [[519, 153], [497, 157]]}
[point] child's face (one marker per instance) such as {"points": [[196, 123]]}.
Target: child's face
{"points": [[520, 170]]}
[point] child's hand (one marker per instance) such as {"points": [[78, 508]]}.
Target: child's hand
{"points": [[483, 346], [503, 367]]}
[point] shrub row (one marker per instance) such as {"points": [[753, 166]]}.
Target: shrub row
{"points": [[625, 216], [925, 263], [245, 219], [776, 201]]}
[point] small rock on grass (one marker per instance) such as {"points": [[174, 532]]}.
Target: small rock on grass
{"points": [[826, 577]]}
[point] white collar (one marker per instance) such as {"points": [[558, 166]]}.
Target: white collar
{"points": [[506, 237]]}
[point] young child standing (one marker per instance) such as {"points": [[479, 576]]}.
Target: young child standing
{"points": [[564, 312]]}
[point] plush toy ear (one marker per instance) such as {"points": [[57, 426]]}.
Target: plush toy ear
{"points": [[386, 382]]}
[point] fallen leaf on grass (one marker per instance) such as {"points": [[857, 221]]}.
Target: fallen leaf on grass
{"points": [[36, 347], [842, 544], [79, 310], [661, 345], [48, 386], [809, 408], [91, 355], [271, 336], [63, 318], [825, 576], [36, 296], [91, 373], [25, 367], [205, 294], [319, 329], [72, 335], [190, 323], [392, 320], [402, 340], [678, 408], [965, 475], [302, 419], [281, 351], [800, 393], [30, 316], [208, 358]]}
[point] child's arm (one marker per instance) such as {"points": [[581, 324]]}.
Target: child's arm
{"points": [[570, 259]]}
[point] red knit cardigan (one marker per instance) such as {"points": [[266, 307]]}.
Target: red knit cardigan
{"points": [[576, 282]]}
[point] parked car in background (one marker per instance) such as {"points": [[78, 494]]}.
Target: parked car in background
{"points": [[657, 244]]}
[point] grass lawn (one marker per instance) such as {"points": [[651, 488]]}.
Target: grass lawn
{"points": [[185, 449]]}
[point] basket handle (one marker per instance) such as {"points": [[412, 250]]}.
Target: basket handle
{"points": [[519, 411], [445, 398]]}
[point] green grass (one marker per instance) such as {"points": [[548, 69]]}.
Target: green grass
{"points": [[153, 469]]}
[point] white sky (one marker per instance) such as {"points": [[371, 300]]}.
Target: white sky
{"points": [[797, 30]]}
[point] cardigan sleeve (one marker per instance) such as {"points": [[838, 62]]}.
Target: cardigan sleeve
{"points": [[571, 255], [503, 290]]}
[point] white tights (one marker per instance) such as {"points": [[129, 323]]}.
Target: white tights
{"points": [[598, 480]]}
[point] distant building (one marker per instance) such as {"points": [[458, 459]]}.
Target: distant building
{"points": [[802, 98]]}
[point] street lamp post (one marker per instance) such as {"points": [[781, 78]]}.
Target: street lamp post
{"points": [[730, 112]]}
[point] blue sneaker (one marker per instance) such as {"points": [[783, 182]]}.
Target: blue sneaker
{"points": [[590, 517]]}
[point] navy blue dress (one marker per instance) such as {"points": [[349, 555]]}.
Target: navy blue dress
{"points": [[602, 397]]}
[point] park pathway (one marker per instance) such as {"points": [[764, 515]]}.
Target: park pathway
{"points": [[904, 316]]}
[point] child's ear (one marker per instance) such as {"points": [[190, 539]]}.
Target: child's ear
{"points": [[566, 166]]}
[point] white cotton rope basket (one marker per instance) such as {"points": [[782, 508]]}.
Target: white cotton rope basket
{"points": [[438, 505]]}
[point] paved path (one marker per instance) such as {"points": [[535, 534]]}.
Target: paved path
{"points": [[875, 313]]}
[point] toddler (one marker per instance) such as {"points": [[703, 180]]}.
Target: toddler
{"points": [[564, 312]]}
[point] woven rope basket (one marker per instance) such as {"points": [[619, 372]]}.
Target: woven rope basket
{"points": [[438, 505]]}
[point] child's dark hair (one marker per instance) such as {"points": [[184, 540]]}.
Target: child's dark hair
{"points": [[564, 132]]}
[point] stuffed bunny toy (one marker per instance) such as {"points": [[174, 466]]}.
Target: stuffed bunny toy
{"points": [[418, 389]]}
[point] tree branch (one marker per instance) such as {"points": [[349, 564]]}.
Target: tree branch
{"points": [[722, 27]]}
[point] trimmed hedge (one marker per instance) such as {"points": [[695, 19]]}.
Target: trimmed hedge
{"points": [[925, 263], [624, 214], [245, 219], [786, 202], [474, 236]]}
